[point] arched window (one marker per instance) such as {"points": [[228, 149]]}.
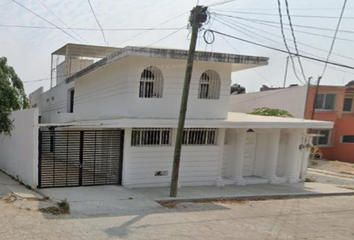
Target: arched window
{"points": [[151, 83], [209, 85]]}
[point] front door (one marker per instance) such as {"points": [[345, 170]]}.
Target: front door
{"points": [[249, 154]]}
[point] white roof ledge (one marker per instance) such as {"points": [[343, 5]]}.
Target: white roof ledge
{"points": [[234, 120]]}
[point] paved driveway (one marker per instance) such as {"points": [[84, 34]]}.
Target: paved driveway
{"points": [[103, 200]]}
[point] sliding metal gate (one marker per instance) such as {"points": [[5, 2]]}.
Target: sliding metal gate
{"points": [[80, 158]]}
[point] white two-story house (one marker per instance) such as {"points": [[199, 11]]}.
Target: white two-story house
{"points": [[113, 121]]}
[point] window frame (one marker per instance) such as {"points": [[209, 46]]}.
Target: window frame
{"points": [[318, 131], [155, 79], [212, 84], [204, 133], [324, 102], [341, 139], [351, 108], [139, 142]]}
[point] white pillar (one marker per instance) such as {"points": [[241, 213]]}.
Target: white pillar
{"points": [[221, 139], [272, 156], [126, 155], [294, 157], [239, 144]]}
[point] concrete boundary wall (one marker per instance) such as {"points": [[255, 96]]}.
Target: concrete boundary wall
{"points": [[19, 152]]}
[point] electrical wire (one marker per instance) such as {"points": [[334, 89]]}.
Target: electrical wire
{"points": [[61, 20], [21, 5], [90, 29], [296, 25], [269, 33], [285, 42], [294, 38], [276, 15], [238, 52], [334, 37], [156, 26], [221, 3], [98, 23], [280, 50], [257, 21]]}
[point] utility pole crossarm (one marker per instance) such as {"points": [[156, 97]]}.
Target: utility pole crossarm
{"points": [[197, 17]]}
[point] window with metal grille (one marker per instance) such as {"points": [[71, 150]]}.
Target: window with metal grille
{"points": [[323, 138], [209, 85], [151, 137], [151, 83], [325, 101], [348, 139], [348, 105], [197, 136]]}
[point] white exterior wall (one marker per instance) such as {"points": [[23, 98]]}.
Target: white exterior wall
{"points": [[291, 99], [19, 152], [76, 64], [113, 91], [199, 164], [56, 110]]}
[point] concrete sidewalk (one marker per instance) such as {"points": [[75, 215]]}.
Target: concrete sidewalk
{"points": [[8, 186], [246, 192]]}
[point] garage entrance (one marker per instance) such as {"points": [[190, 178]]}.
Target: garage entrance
{"points": [[80, 158]]}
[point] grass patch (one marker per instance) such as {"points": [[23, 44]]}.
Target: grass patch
{"points": [[169, 205], [310, 180], [62, 208]]}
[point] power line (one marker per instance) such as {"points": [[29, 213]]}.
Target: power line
{"points": [[237, 51], [276, 15], [93, 12], [90, 29], [260, 22], [296, 25], [46, 21], [269, 33], [158, 25], [334, 37], [60, 20], [280, 50], [285, 42], [294, 38], [221, 3]]}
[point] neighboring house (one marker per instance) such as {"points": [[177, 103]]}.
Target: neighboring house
{"points": [[334, 103], [114, 122]]}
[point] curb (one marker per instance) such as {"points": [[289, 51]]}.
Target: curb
{"points": [[258, 198]]}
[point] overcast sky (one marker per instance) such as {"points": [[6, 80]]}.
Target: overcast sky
{"points": [[28, 50]]}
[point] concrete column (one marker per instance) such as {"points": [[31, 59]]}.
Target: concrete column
{"points": [[294, 157], [221, 139], [272, 156], [126, 155], [239, 144]]}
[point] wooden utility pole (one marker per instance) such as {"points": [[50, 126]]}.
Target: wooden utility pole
{"points": [[286, 71], [315, 98], [197, 17]]}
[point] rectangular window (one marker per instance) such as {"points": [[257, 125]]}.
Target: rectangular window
{"points": [[71, 101], [325, 101], [323, 139], [151, 137], [348, 139], [348, 105], [196, 136]]}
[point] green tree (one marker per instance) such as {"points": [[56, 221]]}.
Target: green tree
{"points": [[12, 96], [270, 112]]}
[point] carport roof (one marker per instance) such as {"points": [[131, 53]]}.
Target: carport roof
{"points": [[234, 120]]}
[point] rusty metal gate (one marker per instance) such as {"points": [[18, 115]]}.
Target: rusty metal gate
{"points": [[80, 158]]}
